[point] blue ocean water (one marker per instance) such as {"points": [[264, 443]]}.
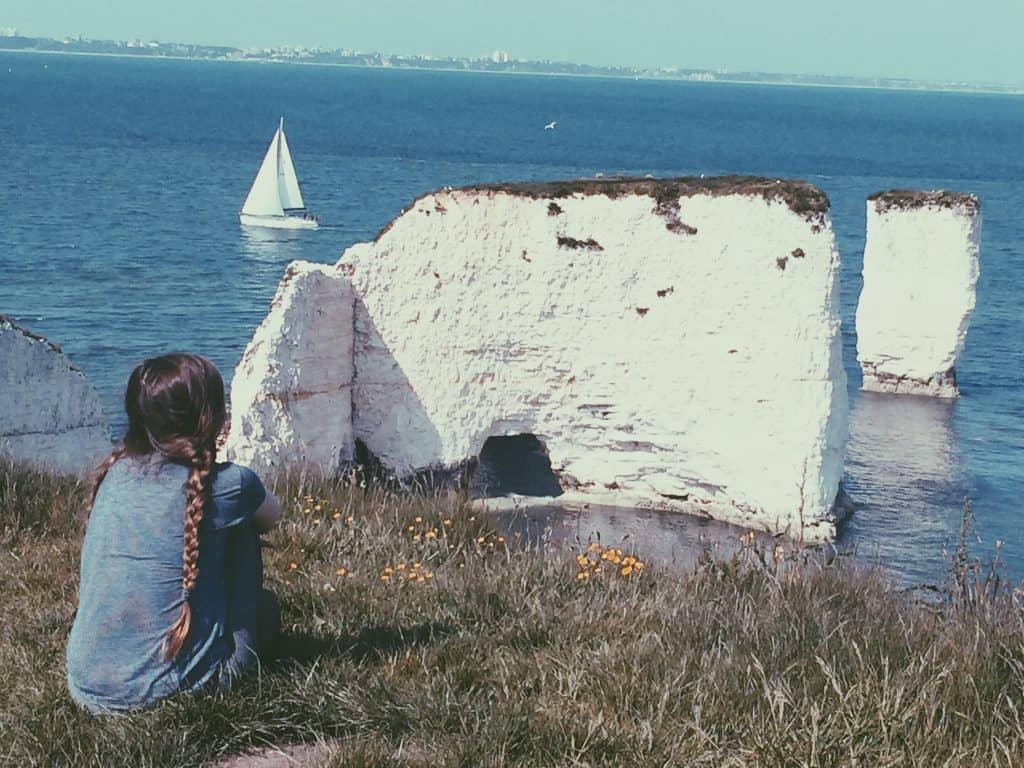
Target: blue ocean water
{"points": [[121, 180]]}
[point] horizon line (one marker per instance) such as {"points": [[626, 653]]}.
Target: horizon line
{"points": [[884, 82]]}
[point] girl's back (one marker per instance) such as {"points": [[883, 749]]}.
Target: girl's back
{"points": [[131, 584]]}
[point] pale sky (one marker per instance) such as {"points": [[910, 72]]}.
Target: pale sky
{"points": [[982, 40]]}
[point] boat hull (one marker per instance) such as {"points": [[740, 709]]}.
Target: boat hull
{"points": [[277, 222]]}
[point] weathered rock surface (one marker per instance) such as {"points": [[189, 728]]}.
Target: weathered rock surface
{"points": [[674, 344], [920, 273], [49, 412], [291, 396]]}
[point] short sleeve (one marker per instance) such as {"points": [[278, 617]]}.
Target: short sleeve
{"points": [[236, 494]]}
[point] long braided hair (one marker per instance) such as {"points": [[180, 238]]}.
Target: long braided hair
{"points": [[175, 407]]}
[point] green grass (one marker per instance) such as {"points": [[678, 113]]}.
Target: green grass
{"points": [[508, 657]]}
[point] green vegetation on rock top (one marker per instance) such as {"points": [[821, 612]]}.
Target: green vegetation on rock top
{"points": [[802, 197], [909, 199]]}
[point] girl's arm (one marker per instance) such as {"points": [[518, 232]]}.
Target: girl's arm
{"points": [[267, 514]]}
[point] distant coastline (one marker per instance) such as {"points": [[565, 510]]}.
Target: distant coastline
{"points": [[499, 63]]}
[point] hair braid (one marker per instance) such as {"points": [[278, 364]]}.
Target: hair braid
{"points": [[175, 407], [201, 465]]}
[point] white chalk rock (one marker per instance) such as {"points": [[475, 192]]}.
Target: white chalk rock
{"points": [[291, 395], [50, 414], [674, 344], [920, 273]]}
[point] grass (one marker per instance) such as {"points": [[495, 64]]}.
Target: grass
{"points": [[495, 655]]}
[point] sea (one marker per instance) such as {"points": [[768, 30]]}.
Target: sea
{"points": [[121, 180]]}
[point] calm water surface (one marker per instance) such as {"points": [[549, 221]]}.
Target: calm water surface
{"points": [[121, 180]]}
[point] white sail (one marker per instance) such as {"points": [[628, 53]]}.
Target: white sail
{"points": [[274, 199], [291, 197], [265, 197]]}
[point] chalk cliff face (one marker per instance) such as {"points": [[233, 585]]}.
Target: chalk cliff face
{"points": [[49, 413], [291, 397], [674, 344], [920, 273]]}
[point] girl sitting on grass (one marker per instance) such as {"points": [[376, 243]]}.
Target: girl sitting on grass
{"points": [[171, 595]]}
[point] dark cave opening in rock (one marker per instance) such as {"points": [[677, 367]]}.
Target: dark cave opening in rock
{"points": [[516, 464]]}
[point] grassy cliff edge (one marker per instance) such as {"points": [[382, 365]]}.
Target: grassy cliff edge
{"points": [[419, 636]]}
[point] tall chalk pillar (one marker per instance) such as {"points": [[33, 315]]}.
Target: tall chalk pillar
{"points": [[920, 274]]}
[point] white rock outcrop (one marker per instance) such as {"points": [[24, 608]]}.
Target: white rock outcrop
{"points": [[920, 274], [50, 415], [673, 343], [291, 396]]}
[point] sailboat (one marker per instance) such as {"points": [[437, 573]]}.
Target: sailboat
{"points": [[274, 199]]}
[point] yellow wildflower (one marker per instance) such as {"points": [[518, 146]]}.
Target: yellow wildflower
{"points": [[293, 566], [626, 570], [340, 572]]}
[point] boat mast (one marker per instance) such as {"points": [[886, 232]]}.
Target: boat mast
{"points": [[280, 133]]}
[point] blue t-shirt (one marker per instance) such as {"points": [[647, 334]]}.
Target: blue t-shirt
{"points": [[130, 591]]}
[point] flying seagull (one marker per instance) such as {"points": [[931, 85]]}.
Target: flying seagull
{"points": [[550, 126]]}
